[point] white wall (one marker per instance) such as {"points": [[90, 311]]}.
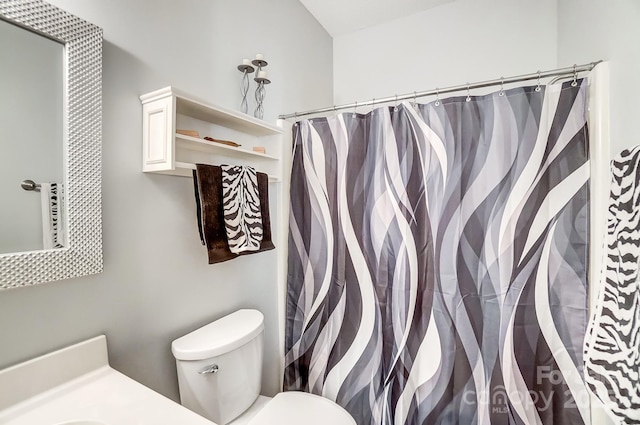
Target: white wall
{"points": [[590, 30], [466, 40], [472, 40], [157, 284], [31, 131]]}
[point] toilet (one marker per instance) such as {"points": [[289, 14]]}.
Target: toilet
{"points": [[219, 373]]}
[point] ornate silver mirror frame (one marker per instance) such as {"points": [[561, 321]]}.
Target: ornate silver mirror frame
{"points": [[82, 148]]}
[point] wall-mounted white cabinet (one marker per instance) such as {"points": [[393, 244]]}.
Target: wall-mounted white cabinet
{"points": [[165, 151]]}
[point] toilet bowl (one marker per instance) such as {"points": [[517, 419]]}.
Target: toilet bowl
{"points": [[219, 372]]}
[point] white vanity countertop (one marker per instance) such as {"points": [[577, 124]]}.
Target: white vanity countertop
{"points": [[105, 396], [76, 385]]}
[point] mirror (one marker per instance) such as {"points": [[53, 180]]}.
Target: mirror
{"points": [[31, 136], [50, 132]]}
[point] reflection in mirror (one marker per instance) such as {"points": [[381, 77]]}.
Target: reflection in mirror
{"points": [[31, 140], [79, 61]]}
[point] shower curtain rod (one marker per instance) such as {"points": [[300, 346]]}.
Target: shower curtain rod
{"points": [[560, 72]]}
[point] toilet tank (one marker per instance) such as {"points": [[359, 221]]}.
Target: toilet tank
{"points": [[220, 366]]}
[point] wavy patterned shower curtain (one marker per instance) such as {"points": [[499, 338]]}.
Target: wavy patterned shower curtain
{"points": [[438, 260]]}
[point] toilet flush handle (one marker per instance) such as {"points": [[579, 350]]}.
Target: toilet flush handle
{"points": [[208, 369]]}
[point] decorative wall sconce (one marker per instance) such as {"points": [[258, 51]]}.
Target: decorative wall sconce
{"points": [[249, 67], [246, 68], [261, 79]]}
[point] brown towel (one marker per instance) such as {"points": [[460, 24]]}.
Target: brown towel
{"points": [[207, 181]]}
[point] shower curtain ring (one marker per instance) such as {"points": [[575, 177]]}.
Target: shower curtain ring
{"points": [[575, 76], [395, 107], [468, 99], [437, 97], [355, 106], [501, 92], [538, 88]]}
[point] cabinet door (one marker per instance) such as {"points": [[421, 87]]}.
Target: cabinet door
{"points": [[158, 123]]}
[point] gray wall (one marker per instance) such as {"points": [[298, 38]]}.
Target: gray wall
{"points": [[590, 30], [465, 40], [157, 285], [31, 131]]}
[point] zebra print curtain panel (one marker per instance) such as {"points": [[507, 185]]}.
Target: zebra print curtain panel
{"points": [[438, 260], [612, 346]]}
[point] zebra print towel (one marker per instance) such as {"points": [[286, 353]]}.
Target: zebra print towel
{"points": [[612, 345], [207, 181], [54, 233], [241, 205]]}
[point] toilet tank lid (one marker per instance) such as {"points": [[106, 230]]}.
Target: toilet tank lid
{"points": [[219, 337]]}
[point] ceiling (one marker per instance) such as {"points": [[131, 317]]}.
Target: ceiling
{"points": [[344, 16]]}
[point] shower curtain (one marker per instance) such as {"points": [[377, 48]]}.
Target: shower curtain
{"points": [[438, 255]]}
